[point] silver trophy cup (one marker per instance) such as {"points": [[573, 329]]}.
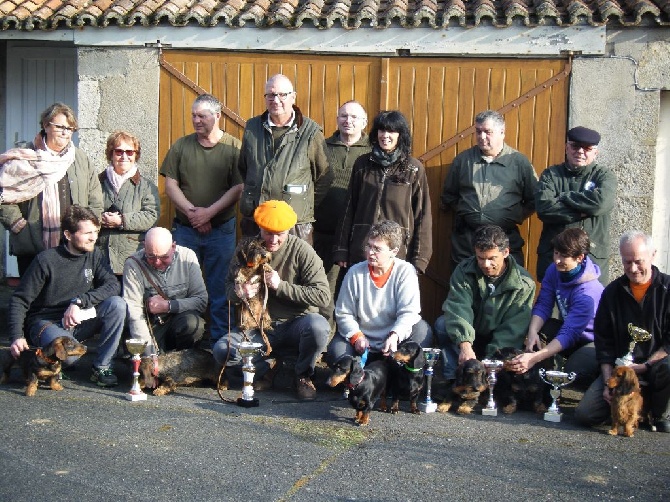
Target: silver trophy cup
{"points": [[136, 347], [248, 350], [492, 367], [557, 380], [636, 335], [431, 355]]}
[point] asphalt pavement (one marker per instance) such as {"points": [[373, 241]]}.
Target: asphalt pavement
{"points": [[91, 444]]}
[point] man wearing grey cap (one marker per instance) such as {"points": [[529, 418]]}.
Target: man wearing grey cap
{"points": [[577, 193]]}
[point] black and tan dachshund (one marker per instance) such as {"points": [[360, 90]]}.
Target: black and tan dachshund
{"points": [[42, 364], [469, 384], [365, 385], [406, 376], [524, 391]]}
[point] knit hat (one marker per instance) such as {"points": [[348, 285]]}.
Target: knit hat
{"points": [[275, 216], [583, 136]]}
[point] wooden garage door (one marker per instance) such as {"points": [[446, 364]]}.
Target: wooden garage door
{"points": [[439, 96]]}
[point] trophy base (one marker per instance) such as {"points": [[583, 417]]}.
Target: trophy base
{"points": [[136, 397], [247, 403], [490, 413], [553, 417], [428, 407]]}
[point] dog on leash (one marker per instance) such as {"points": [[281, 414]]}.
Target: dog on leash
{"points": [[519, 390], [469, 384], [250, 262], [42, 364], [178, 368], [626, 403], [365, 385], [406, 375]]}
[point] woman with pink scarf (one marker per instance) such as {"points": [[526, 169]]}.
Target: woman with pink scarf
{"points": [[131, 201], [38, 183]]}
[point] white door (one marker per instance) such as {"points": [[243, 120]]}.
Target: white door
{"points": [[36, 78]]}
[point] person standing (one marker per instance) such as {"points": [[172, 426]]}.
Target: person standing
{"points": [[131, 201], [577, 193], [343, 148], [283, 158], [202, 181], [387, 184], [34, 224], [490, 183]]}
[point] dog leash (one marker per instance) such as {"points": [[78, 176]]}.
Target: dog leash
{"points": [[223, 368]]}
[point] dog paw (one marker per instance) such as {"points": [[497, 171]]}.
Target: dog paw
{"points": [[613, 432], [540, 408], [443, 407], [31, 390], [464, 409], [161, 391], [56, 386], [509, 409]]}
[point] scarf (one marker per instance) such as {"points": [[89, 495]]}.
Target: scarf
{"points": [[571, 274], [385, 159], [22, 179], [117, 180]]}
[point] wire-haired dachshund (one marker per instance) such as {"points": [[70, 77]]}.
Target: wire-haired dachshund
{"points": [[469, 384], [42, 364], [406, 376], [626, 403], [365, 385], [520, 390], [179, 368]]}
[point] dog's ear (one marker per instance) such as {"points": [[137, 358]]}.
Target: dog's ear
{"points": [[357, 371], [628, 381], [59, 349]]}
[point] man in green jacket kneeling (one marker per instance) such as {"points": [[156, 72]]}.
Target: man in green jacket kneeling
{"points": [[489, 303]]}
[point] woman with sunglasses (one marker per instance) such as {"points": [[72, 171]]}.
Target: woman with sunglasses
{"points": [[34, 223], [131, 201]]}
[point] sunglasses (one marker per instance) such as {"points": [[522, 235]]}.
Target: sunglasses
{"points": [[119, 152], [60, 127]]}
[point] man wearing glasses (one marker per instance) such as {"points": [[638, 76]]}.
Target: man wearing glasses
{"points": [[202, 181], [283, 157], [578, 193], [165, 293]]}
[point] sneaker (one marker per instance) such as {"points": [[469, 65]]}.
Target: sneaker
{"points": [[662, 425], [104, 377], [306, 389]]}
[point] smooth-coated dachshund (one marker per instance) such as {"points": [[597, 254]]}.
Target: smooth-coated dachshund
{"points": [[626, 403], [42, 364], [406, 375]]}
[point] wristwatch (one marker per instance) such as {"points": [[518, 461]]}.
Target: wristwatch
{"points": [[76, 301]]}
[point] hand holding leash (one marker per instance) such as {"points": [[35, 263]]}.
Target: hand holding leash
{"points": [[18, 346], [272, 279], [246, 290], [391, 344]]}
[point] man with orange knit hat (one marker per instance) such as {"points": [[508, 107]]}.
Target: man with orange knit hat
{"points": [[297, 287]]}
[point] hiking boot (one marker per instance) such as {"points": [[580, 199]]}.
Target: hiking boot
{"points": [[104, 377], [305, 388]]}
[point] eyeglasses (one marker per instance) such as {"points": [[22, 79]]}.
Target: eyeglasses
{"points": [[577, 146], [165, 257], [119, 152], [62, 128], [375, 249], [281, 95], [353, 118]]}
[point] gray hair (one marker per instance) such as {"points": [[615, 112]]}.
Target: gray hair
{"points": [[210, 101], [491, 115], [633, 235]]}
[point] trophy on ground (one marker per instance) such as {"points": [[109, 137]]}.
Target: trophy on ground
{"points": [[557, 380], [248, 350], [136, 347], [636, 335], [492, 367], [431, 355]]}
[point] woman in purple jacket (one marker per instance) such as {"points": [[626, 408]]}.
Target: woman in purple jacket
{"points": [[571, 283]]}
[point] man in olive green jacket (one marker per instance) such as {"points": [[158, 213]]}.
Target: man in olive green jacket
{"points": [[489, 303]]}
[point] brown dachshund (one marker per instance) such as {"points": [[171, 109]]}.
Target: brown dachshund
{"points": [[626, 403], [178, 368], [42, 364]]}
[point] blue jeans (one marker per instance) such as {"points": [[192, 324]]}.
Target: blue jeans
{"points": [[214, 251], [305, 336], [109, 322]]}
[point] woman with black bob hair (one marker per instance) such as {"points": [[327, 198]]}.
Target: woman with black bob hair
{"points": [[387, 184]]}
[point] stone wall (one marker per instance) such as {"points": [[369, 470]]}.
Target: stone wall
{"points": [[118, 89], [604, 95]]}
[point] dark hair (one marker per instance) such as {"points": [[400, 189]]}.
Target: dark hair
{"points": [[56, 109], [387, 230], [490, 237], [393, 121], [116, 137], [572, 242], [74, 215]]}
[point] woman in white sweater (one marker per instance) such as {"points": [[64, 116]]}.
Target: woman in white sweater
{"points": [[379, 303]]}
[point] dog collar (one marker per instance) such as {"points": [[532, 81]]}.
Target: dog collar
{"points": [[354, 385], [413, 370], [41, 355]]}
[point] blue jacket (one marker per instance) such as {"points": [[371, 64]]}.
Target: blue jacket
{"points": [[577, 302]]}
